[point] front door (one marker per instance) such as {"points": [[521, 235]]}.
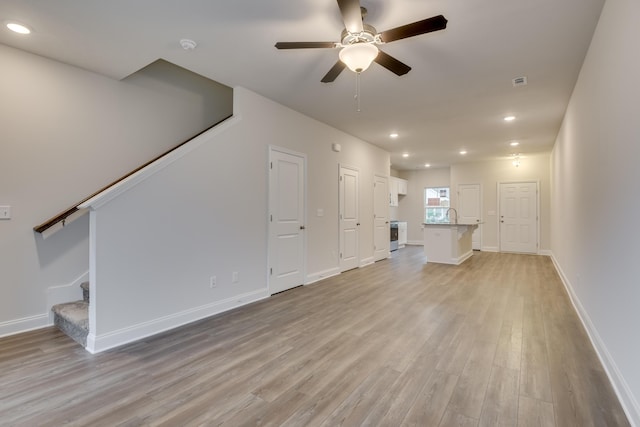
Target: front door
{"points": [[469, 210], [349, 220], [381, 233], [519, 217], [286, 220]]}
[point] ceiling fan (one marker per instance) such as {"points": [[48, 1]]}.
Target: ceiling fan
{"points": [[359, 40]]}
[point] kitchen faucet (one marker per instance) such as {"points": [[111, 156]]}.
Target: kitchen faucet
{"points": [[454, 211]]}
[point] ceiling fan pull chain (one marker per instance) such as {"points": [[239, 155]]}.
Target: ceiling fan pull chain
{"points": [[357, 96]]}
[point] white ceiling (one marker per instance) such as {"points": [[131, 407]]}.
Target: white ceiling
{"points": [[454, 97]]}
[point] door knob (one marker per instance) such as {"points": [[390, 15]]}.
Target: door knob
{"points": [[302, 227], [358, 224]]}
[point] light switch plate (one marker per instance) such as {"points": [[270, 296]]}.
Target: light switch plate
{"points": [[5, 212]]}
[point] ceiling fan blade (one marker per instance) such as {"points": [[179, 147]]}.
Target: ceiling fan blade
{"points": [[305, 45], [392, 64], [428, 25], [334, 72], [351, 15]]}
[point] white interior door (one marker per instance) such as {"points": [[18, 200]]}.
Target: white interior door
{"points": [[381, 234], [349, 219], [286, 220], [470, 210], [519, 217]]}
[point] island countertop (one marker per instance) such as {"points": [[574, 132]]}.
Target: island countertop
{"points": [[448, 242]]}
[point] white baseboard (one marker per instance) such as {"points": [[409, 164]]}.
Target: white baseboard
{"points": [[321, 275], [65, 293], [99, 343], [490, 249], [366, 261], [415, 243], [25, 324], [544, 252], [625, 395], [55, 295]]}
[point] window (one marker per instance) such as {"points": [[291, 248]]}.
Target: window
{"points": [[436, 203]]}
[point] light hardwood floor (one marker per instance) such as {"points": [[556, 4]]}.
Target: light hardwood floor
{"points": [[492, 342]]}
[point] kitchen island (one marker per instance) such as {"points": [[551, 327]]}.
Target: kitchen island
{"points": [[447, 242]]}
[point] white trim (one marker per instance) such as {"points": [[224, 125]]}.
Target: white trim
{"points": [[545, 252], [65, 293], [366, 261], [99, 343], [415, 242], [625, 395], [321, 275], [25, 324], [453, 261], [490, 249], [144, 173]]}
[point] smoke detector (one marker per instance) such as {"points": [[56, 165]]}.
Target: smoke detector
{"points": [[519, 81], [188, 44]]}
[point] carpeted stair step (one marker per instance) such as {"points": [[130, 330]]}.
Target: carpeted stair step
{"points": [[72, 318], [85, 291]]}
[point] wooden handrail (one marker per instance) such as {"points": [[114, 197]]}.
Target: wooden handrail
{"points": [[61, 217]]}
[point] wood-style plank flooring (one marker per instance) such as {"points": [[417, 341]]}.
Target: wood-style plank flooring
{"points": [[492, 342]]}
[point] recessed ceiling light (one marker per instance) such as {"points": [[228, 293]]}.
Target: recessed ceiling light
{"points": [[463, 152], [405, 155], [393, 135], [509, 118], [427, 165], [18, 28], [514, 143]]}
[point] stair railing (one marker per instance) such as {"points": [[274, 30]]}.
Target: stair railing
{"points": [[74, 212]]}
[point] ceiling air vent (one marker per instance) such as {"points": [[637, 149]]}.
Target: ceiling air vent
{"points": [[519, 81]]}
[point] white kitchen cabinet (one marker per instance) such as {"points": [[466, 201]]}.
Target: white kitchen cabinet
{"points": [[402, 186], [393, 191], [402, 234], [397, 186]]}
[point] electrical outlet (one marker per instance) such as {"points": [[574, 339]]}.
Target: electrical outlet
{"points": [[213, 282], [234, 277]]}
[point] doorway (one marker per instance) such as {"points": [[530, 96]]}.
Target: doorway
{"points": [[519, 217], [349, 219], [381, 239], [287, 180], [470, 210]]}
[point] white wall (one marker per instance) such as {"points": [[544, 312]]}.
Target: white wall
{"points": [[64, 134], [595, 203], [157, 244], [533, 167]]}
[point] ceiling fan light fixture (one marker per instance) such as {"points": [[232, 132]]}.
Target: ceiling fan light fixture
{"points": [[358, 56]]}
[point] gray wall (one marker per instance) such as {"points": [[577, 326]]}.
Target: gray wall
{"points": [[157, 244], [595, 202], [65, 133]]}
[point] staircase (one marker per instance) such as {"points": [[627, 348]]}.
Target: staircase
{"points": [[72, 318]]}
